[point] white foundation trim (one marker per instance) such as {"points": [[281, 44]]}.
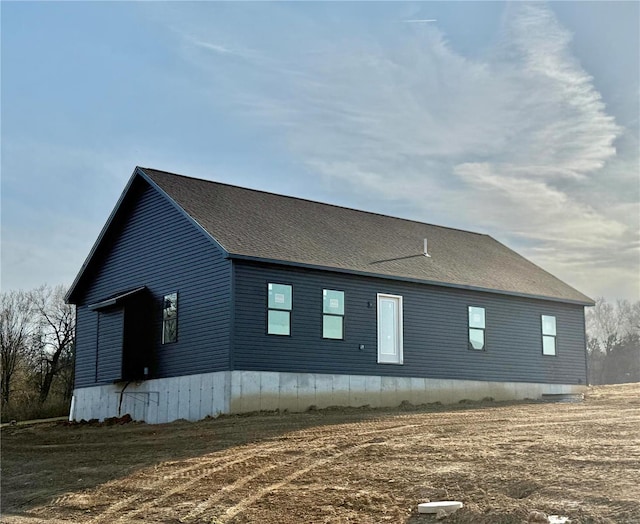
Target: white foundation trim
{"points": [[194, 397]]}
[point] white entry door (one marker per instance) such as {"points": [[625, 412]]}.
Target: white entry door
{"points": [[389, 329]]}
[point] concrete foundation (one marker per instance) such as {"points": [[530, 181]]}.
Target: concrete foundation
{"points": [[194, 397]]}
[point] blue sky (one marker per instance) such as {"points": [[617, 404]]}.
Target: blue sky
{"points": [[520, 120]]}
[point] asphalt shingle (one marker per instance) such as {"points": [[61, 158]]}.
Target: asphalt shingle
{"points": [[257, 224]]}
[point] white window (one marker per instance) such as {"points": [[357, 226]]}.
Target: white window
{"points": [[548, 335], [476, 328], [279, 309], [333, 314], [389, 329], [170, 318]]}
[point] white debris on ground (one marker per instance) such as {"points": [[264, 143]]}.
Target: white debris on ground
{"points": [[441, 508]]}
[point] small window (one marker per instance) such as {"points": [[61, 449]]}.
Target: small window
{"points": [[170, 318], [476, 328], [333, 314], [548, 335], [279, 309]]}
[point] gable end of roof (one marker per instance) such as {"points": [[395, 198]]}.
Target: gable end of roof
{"points": [[138, 174]]}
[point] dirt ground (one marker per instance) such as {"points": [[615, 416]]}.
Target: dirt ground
{"points": [[503, 461]]}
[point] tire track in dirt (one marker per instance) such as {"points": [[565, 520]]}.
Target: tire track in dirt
{"points": [[195, 472], [299, 438], [198, 470], [223, 491], [245, 503], [110, 514], [186, 486]]}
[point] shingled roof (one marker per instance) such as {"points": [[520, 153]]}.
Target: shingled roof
{"points": [[251, 224]]}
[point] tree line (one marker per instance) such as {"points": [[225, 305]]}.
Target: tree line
{"points": [[37, 349], [613, 342], [37, 352]]}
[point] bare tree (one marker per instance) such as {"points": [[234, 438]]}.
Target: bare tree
{"points": [[603, 324], [55, 334], [629, 317], [16, 327], [613, 341]]}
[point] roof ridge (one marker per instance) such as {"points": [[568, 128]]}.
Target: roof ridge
{"points": [[314, 201]]}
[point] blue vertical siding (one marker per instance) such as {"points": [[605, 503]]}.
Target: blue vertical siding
{"points": [[435, 330], [86, 346], [151, 243], [110, 333]]}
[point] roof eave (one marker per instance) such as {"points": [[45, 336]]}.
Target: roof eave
{"points": [[249, 258]]}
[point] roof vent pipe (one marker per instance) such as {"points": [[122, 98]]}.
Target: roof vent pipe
{"points": [[426, 253]]}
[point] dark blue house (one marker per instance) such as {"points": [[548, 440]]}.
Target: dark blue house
{"points": [[200, 298]]}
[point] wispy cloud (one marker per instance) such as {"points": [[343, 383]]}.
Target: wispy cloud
{"points": [[216, 48], [221, 49], [518, 144]]}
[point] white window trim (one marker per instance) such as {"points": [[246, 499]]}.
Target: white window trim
{"points": [[269, 309], [400, 360], [555, 336], [483, 328], [324, 314]]}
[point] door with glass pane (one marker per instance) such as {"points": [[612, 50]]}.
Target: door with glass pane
{"points": [[389, 329]]}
